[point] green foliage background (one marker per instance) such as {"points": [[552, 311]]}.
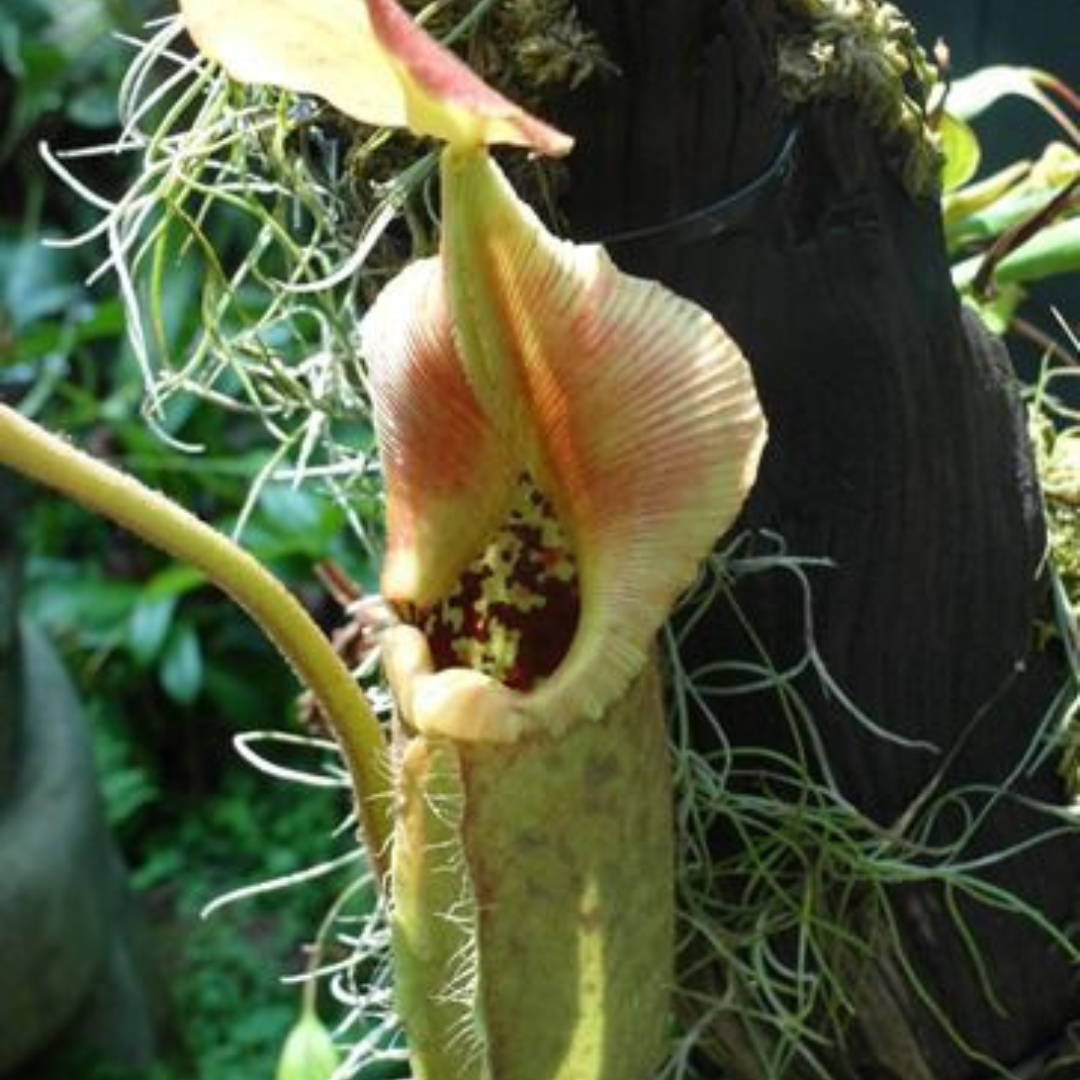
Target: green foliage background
{"points": [[167, 670]]}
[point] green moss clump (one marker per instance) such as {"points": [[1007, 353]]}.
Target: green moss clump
{"points": [[865, 52], [1057, 452]]}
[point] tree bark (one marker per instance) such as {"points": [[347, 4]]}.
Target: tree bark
{"points": [[897, 451]]}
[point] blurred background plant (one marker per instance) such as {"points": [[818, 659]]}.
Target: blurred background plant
{"points": [[166, 671], [1021, 224]]}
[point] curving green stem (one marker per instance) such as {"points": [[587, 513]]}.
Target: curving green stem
{"points": [[49, 460]]}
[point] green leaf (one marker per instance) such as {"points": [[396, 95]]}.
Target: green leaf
{"points": [[293, 522], [972, 96], [309, 1052], [77, 26], [149, 626], [1054, 250], [22, 20], [181, 670], [962, 151], [93, 107], [998, 216], [291, 510], [68, 600], [173, 582], [105, 320], [41, 70], [126, 790], [35, 281], [997, 312], [959, 205]]}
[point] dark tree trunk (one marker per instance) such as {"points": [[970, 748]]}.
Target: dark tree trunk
{"points": [[897, 450]]}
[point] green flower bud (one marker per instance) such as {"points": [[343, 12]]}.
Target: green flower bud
{"points": [[309, 1052]]}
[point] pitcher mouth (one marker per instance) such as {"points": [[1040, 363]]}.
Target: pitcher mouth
{"points": [[561, 443], [514, 610]]}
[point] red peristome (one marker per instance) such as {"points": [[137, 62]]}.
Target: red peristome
{"points": [[448, 79]]}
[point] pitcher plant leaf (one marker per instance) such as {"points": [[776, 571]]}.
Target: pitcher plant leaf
{"points": [[370, 61]]}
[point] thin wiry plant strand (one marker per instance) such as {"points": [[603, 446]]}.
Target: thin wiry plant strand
{"points": [[806, 897], [285, 881], [332, 774], [220, 160]]}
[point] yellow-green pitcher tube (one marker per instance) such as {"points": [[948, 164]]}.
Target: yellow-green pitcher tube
{"points": [[532, 885]]}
